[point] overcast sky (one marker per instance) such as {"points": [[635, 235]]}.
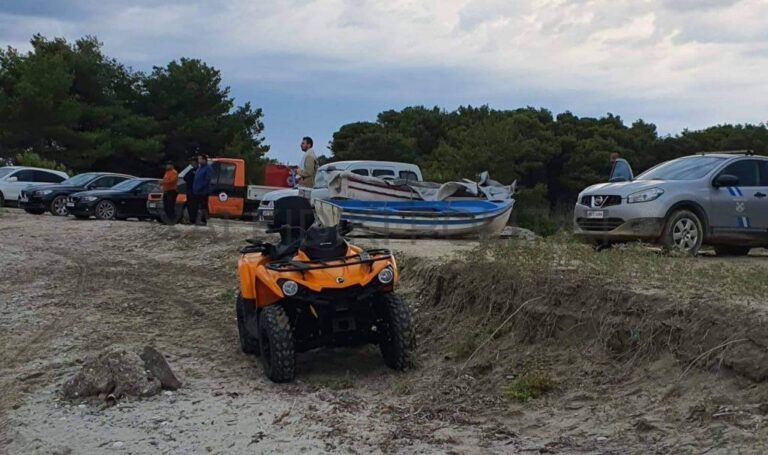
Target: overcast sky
{"points": [[313, 65]]}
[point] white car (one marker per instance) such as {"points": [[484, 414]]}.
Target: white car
{"points": [[15, 178], [381, 169]]}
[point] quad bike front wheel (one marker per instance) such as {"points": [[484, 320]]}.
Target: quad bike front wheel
{"points": [[398, 341], [276, 343], [249, 342]]}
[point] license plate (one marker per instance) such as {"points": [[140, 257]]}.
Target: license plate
{"points": [[152, 205], [267, 213], [70, 204], [595, 214]]}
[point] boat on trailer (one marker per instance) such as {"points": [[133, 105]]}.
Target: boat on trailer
{"points": [[461, 218]]}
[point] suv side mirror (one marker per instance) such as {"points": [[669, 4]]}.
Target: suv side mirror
{"points": [[725, 180], [12, 179]]}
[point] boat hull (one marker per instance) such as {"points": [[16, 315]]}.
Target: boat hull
{"points": [[450, 219]]}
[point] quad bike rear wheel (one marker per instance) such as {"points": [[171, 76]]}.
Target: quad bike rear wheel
{"points": [[276, 343], [249, 342], [397, 341]]}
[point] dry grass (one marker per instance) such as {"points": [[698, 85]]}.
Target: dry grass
{"points": [[632, 266]]}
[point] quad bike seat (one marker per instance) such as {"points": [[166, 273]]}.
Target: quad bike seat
{"points": [[323, 243], [293, 216]]}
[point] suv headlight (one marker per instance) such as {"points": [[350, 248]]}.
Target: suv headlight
{"points": [[43, 192], [645, 195], [386, 275]]}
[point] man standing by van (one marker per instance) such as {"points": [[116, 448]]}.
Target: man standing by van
{"points": [[201, 189], [169, 187], [308, 167]]}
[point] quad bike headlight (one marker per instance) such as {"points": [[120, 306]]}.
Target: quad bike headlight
{"points": [[290, 288], [386, 275]]}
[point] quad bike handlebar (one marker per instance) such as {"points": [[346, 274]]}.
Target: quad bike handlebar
{"points": [[365, 257]]}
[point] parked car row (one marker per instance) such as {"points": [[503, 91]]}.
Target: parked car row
{"points": [[104, 195]]}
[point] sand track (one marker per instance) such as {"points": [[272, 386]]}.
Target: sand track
{"points": [[70, 288]]}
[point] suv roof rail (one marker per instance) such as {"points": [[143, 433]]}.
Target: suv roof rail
{"points": [[730, 152]]}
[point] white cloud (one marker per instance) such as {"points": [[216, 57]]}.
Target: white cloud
{"points": [[705, 57]]}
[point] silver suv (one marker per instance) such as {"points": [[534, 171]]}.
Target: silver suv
{"points": [[717, 199]]}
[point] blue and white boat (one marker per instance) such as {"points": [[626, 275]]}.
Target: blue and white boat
{"points": [[464, 218]]}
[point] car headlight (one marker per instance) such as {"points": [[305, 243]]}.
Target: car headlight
{"points": [[43, 192], [386, 275], [645, 195], [290, 288], [89, 198]]}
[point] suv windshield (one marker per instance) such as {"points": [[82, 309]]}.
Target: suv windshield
{"points": [[689, 168], [79, 179]]}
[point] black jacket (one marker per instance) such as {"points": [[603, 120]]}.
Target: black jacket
{"points": [[189, 179]]}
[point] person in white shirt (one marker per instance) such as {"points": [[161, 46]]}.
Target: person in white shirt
{"points": [[308, 167]]}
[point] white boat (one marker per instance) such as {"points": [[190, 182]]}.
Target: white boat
{"points": [[348, 185], [472, 218]]}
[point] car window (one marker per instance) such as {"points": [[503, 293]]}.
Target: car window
{"points": [[25, 175], [47, 177], [689, 168], [409, 176], [383, 172], [102, 183], [5, 171], [763, 172], [360, 171], [746, 170], [224, 174]]}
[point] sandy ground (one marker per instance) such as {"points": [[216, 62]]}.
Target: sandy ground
{"points": [[70, 288]]}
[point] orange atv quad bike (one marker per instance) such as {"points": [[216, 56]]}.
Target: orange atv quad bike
{"points": [[313, 289]]}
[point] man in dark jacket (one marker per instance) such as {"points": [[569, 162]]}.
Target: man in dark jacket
{"points": [[189, 181], [201, 189]]}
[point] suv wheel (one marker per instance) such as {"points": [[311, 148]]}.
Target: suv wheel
{"points": [[729, 250], [683, 231]]}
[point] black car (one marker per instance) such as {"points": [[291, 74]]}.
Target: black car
{"points": [[124, 200], [38, 199]]}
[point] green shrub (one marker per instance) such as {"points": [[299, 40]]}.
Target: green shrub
{"points": [[530, 385], [32, 159], [532, 211]]}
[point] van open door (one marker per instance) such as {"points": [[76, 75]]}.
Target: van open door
{"points": [[621, 171]]}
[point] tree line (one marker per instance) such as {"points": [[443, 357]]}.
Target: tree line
{"points": [[553, 156], [70, 106]]}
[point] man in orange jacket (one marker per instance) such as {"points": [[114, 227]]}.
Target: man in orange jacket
{"points": [[169, 187]]}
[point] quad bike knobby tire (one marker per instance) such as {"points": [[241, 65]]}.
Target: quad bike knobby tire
{"points": [[249, 342], [397, 341], [276, 343]]}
